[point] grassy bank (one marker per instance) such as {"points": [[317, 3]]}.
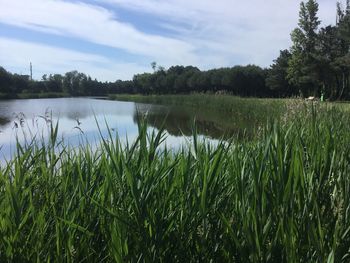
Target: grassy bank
{"points": [[221, 102], [219, 115], [218, 102], [229, 114], [284, 198], [42, 95]]}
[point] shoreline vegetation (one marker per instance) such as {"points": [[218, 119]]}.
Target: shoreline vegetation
{"points": [[41, 95], [228, 103], [282, 198]]}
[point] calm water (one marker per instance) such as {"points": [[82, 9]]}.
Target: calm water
{"points": [[77, 118]]}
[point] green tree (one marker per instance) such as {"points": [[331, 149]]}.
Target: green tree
{"points": [[154, 65], [143, 83], [54, 83], [303, 70], [5, 81], [342, 61], [277, 76]]}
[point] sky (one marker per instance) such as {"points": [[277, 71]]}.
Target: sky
{"points": [[115, 39]]}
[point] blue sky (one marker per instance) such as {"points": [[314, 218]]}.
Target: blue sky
{"points": [[114, 39]]}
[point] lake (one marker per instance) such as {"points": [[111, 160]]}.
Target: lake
{"points": [[78, 118]]}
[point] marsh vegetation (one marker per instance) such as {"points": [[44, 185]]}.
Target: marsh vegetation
{"points": [[281, 198]]}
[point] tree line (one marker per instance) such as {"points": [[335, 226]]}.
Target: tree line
{"points": [[72, 83], [317, 63], [319, 60], [241, 80]]}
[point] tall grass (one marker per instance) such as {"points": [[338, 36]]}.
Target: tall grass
{"points": [[283, 198], [224, 103]]}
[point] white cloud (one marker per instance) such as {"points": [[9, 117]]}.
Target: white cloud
{"points": [[94, 24], [15, 54], [234, 31]]}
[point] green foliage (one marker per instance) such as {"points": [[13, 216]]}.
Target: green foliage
{"points": [[239, 80], [302, 70], [282, 198], [5, 81], [72, 83], [320, 61], [277, 75], [244, 81]]}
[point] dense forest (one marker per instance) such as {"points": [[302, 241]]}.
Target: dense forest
{"points": [[318, 62], [244, 81], [72, 83]]}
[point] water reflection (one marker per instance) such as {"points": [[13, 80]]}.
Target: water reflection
{"points": [[179, 121], [4, 121], [78, 119]]}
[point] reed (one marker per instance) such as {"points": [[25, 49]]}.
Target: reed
{"points": [[282, 198]]}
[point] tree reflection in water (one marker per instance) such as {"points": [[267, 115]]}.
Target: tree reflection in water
{"points": [[178, 121]]}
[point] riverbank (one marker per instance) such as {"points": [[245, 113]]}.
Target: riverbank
{"points": [[42, 95], [227, 103], [198, 99], [282, 198]]}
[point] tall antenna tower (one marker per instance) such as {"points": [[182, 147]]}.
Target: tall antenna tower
{"points": [[31, 71]]}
